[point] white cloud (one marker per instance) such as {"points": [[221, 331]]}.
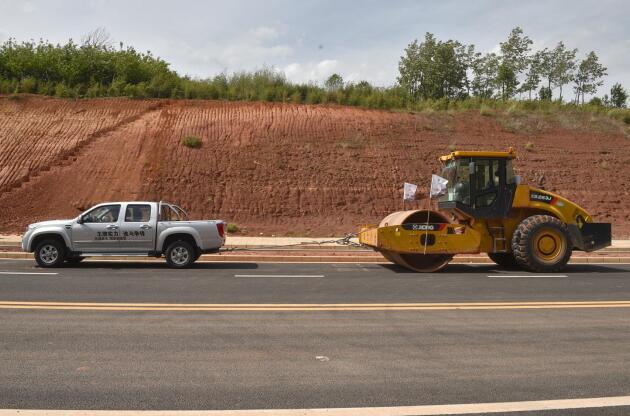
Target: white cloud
{"points": [[28, 7], [264, 33], [311, 71]]}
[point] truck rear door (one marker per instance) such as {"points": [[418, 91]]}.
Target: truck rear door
{"points": [[137, 228]]}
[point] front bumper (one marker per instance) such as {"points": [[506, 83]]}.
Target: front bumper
{"points": [[592, 236], [26, 239]]}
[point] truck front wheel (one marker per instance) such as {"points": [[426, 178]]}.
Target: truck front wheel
{"points": [[180, 254], [50, 253]]}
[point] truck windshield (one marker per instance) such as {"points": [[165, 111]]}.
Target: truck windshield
{"points": [[457, 172]]}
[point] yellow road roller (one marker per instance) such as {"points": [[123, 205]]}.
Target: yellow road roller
{"points": [[483, 208]]}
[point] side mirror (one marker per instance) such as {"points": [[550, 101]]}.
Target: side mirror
{"points": [[80, 220], [517, 179]]}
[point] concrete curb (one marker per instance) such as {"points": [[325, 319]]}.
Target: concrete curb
{"points": [[235, 258]]}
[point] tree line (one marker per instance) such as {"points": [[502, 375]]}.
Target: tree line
{"points": [[435, 73], [435, 69]]}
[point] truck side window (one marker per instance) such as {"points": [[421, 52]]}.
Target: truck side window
{"points": [[103, 214], [138, 213]]}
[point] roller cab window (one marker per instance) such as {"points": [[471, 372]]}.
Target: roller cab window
{"points": [[457, 172]]}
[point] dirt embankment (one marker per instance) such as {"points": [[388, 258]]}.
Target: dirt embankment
{"points": [[281, 169]]}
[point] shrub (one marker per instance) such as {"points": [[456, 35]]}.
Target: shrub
{"points": [[529, 146], [192, 142], [233, 228], [451, 147]]}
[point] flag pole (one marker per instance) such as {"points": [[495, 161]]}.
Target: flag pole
{"points": [[426, 231]]}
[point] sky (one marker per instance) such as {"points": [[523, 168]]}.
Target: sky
{"points": [[309, 40]]}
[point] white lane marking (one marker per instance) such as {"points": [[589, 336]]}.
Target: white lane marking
{"points": [[527, 275], [33, 273], [451, 409], [279, 275]]}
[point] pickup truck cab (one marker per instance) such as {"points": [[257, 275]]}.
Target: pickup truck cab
{"points": [[125, 228]]}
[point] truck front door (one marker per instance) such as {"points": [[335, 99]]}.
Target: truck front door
{"points": [[98, 230], [137, 228]]}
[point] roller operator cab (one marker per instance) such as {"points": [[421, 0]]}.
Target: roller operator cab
{"points": [[485, 209]]}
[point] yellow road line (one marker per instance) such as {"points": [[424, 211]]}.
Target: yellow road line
{"points": [[270, 307]]}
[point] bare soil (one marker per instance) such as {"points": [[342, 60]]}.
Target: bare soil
{"points": [[282, 169]]}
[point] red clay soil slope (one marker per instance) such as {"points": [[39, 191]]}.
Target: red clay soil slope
{"points": [[282, 169]]}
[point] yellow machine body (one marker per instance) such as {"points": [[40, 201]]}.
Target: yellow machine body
{"points": [[459, 227]]}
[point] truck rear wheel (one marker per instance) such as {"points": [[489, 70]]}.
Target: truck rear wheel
{"points": [[503, 259], [541, 243], [180, 254], [50, 253]]}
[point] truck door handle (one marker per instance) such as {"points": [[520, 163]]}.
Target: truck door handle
{"points": [[112, 227], [145, 227]]}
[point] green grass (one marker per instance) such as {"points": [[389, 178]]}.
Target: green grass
{"points": [[485, 111], [192, 142]]}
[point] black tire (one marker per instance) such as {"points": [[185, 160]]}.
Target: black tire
{"points": [[180, 254], [504, 259], [526, 244], [50, 253], [75, 260]]}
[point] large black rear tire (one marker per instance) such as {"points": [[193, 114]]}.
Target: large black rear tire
{"points": [[541, 243]]}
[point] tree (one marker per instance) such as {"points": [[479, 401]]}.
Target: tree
{"points": [[563, 65], [468, 58], [556, 65], [618, 96], [544, 94], [434, 69], [485, 73], [412, 68], [98, 38], [514, 60], [545, 70], [450, 59], [514, 51], [588, 77], [334, 83], [532, 77], [507, 81]]}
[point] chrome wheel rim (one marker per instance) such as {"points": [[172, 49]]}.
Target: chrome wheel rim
{"points": [[179, 255], [48, 254]]}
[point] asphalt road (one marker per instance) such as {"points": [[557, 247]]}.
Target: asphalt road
{"points": [[261, 359]]}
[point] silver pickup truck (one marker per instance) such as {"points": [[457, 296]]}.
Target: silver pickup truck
{"points": [[125, 228]]}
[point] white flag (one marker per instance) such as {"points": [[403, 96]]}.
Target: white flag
{"points": [[438, 185], [409, 193]]}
